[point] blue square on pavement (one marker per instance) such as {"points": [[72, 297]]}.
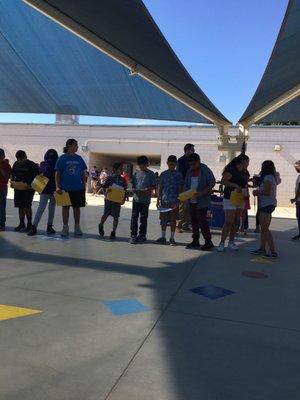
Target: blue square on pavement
{"points": [[211, 291], [124, 307]]}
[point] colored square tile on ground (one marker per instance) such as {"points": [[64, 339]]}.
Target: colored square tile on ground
{"points": [[212, 292], [9, 312], [124, 307]]}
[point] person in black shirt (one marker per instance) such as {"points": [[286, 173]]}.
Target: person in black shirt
{"points": [[24, 171], [235, 180], [183, 166]]}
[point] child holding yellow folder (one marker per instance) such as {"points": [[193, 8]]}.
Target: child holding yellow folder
{"points": [[113, 208]]}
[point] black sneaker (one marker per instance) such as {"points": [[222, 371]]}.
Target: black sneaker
{"points": [[271, 255], [296, 238], [207, 246], [50, 230], [172, 242], [33, 231], [161, 240], [112, 235], [142, 238], [101, 230], [193, 245], [20, 228], [2, 228], [134, 240]]}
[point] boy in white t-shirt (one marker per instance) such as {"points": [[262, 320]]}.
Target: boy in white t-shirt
{"points": [[296, 199]]}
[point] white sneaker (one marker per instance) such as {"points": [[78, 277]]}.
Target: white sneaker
{"points": [[232, 246], [65, 231], [221, 247], [77, 230]]}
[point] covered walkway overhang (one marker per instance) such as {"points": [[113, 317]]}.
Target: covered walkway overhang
{"points": [[277, 98], [45, 68]]}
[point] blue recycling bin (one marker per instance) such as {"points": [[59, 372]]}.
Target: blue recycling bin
{"points": [[216, 215]]}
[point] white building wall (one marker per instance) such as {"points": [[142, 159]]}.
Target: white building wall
{"points": [[157, 140]]}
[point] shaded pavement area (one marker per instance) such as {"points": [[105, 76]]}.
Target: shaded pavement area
{"points": [[165, 342]]}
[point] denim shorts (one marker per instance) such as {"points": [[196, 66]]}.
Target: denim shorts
{"points": [[267, 209]]}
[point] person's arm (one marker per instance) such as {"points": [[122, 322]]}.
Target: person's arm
{"points": [[57, 182], [159, 192], [297, 195], [225, 181], [5, 171]]}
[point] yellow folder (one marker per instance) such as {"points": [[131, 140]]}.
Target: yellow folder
{"points": [[116, 194], [19, 185], [62, 200], [39, 183], [237, 199], [184, 196]]}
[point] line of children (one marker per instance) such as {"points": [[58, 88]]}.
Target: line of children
{"points": [[68, 173]]}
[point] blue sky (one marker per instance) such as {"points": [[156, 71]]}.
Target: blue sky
{"points": [[224, 44]]}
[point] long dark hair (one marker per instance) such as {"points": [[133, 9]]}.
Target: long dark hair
{"points": [[69, 143], [267, 168], [235, 161]]}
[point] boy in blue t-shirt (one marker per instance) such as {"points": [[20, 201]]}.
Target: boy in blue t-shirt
{"points": [[70, 176], [143, 184], [169, 186]]}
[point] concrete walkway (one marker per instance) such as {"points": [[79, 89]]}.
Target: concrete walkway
{"points": [[170, 343]]}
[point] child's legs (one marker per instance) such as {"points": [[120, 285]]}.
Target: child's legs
{"points": [[204, 225], [103, 219], [76, 213], [65, 214], [134, 218], [298, 214], [234, 226], [22, 214], [194, 221], [51, 209], [229, 221], [28, 213], [115, 224], [144, 219], [41, 208], [3, 195], [266, 236]]}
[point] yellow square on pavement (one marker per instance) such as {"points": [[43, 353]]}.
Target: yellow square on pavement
{"points": [[9, 312]]}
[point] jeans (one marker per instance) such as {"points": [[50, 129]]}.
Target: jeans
{"points": [[142, 210], [3, 195], [298, 214], [44, 198], [199, 221]]}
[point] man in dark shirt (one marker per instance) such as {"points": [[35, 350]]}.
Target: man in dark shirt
{"points": [[24, 171], [183, 167]]}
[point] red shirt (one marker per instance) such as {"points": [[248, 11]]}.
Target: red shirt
{"points": [[5, 171]]}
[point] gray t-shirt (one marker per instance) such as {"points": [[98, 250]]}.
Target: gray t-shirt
{"points": [[143, 180], [270, 200]]}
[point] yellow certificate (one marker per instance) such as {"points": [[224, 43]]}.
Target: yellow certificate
{"points": [[62, 200]]}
